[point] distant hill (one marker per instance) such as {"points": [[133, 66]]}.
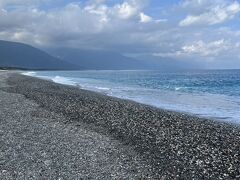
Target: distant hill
{"points": [[19, 55], [98, 60], [169, 64], [107, 60]]}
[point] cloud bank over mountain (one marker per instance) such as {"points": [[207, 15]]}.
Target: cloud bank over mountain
{"points": [[199, 30]]}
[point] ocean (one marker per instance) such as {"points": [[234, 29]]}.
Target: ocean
{"points": [[212, 94]]}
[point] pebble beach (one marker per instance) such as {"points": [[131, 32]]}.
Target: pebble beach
{"points": [[53, 131]]}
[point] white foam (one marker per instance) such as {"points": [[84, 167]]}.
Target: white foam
{"points": [[56, 79], [178, 88], [63, 80], [29, 73], [103, 88]]}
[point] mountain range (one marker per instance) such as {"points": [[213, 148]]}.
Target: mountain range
{"points": [[23, 56]]}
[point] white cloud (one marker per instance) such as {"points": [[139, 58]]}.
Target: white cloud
{"points": [[74, 22], [125, 10], [124, 27], [214, 15], [101, 11], [201, 49], [145, 18], [213, 48]]}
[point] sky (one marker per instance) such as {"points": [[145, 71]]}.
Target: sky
{"points": [[207, 31]]}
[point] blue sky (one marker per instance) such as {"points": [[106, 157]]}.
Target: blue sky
{"points": [[205, 31]]}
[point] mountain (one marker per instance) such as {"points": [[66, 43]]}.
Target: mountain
{"points": [[169, 64], [106, 60], [97, 60], [19, 55]]}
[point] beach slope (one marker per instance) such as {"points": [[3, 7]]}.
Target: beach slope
{"points": [[54, 131]]}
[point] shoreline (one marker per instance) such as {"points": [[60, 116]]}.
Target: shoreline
{"points": [[208, 118], [175, 145]]}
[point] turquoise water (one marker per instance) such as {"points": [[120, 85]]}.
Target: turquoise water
{"points": [[214, 94]]}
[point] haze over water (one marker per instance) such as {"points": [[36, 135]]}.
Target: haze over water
{"points": [[214, 94]]}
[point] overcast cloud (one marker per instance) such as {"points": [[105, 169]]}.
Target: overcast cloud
{"points": [[207, 30]]}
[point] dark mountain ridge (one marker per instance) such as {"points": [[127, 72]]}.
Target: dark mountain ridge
{"points": [[107, 60], [23, 56], [98, 59]]}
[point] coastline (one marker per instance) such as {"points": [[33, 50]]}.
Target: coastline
{"points": [[160, 90], [216, 119], [174, 145]]}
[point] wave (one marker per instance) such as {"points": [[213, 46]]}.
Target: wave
{"points": [[30, 73], [56, 79], [63, 80], [178, 88], [103, 88]]}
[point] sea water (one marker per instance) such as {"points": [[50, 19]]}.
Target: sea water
{"points": [[207, 93]]}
